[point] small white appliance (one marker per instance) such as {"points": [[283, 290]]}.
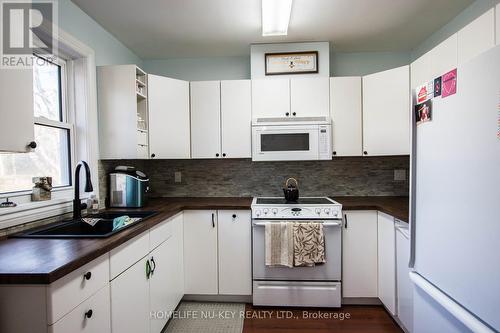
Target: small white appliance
{"points": [[317, 286], [291, 139]]}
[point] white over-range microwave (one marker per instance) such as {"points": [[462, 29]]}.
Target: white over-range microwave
{"points": [[291, 139]]}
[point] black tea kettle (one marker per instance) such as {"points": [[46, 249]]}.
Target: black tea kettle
{"points": [[291, 190]]}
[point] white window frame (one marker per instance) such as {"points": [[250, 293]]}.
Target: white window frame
{"points": [[81, 108]]}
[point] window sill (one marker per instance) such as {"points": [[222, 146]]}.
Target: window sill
{"points": [[29, 212]]}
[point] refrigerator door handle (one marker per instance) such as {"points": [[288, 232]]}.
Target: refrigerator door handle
{"points": [[455, 309], [413, 182]]}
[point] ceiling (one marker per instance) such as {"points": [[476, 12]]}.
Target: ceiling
{"points": [[156, 29]]}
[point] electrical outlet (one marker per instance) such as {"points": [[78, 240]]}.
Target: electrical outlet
{"points": [[399, 174], [177, 177]]}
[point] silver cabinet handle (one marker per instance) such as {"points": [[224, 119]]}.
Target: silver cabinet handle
{"points": [[325, 224]]}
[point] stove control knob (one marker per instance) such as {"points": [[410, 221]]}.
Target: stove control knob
{"points": [[275, 211], [266, 211], [318, 211], [335, 213], [257, 212], [327, 211]]}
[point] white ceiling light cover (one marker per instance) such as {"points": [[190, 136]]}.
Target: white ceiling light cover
{"points": [[276, 17]]}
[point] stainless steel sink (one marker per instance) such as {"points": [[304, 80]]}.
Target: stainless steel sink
{"points": [[79, 229]]}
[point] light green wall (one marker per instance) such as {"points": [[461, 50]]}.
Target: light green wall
{"points": [[108, 49], [201, 69], [233, 68], [363, 63], [476, 9]]}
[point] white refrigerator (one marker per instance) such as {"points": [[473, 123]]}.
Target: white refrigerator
{"points": [[455, 208]]}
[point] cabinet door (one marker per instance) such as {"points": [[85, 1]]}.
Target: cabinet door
{"points": [[270, 98], [236, 116], [235, 252], [169, 128], [386, 113], [178, 258], [161, 285], [387, 262], [359, 254], [444, 57], [130, 300], [421, 70], [205, 119], [497, 24], [476, 37], [345, 101], [91, 316], [310, 97], [200, 252], [16, 105], [404, 284]]}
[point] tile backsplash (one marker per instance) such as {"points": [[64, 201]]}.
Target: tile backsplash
{"points": [[348, 176]]}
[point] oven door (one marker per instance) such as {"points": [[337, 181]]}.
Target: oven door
{"points": [[285, 143], [329, 271]]}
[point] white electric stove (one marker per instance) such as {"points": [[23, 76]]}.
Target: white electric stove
{"points": [[317, 286]]}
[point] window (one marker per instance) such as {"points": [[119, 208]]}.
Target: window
{"points": [[53, 134]]}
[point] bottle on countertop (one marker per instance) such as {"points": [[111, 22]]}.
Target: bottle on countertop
{"points": [[92, 204]]}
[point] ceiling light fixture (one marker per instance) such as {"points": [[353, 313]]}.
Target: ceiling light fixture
{"points": [[276, 17]]}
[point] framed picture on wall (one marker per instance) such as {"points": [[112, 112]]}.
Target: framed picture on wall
{"points": [[291, 63]]}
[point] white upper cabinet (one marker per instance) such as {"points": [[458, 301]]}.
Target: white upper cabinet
{"points": [[16, 105], [359, 254], [235, 252], [346, 109], [169, 129], [123, 110], [270, 98], [386, 113], [443, 57], [421, 70], [236, 118], [387, 262], [497, 23], [200, 252], [205, 119], [477, 37], [310, 97]]}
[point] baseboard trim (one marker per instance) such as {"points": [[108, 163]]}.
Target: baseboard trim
{"points": [[361, 301]]}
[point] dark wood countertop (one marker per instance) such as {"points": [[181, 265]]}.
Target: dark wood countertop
{"points": [[43, 261], [394, 206]]}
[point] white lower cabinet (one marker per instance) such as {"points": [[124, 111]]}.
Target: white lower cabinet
{"points": [[166, 284], [387, 262], [130, 300], [235, 252], [200, 252], [91, 316], [217, 252], [359, 254]]}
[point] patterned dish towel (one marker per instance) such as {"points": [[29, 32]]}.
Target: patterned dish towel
{"points": [[279, 244], [308, 244]]}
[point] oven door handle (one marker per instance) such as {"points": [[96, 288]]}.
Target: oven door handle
{"points": [[325, 224]]}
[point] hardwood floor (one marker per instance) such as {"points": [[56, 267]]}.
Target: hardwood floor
{"points": [[348, 319]]}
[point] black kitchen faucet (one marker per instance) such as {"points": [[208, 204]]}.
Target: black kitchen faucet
{"points": [[77, 204]]}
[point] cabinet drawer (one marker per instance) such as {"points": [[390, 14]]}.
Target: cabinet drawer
{"points": [[66, 293], [128, 254], [290, 293], [92, 316], [161, 232]]}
